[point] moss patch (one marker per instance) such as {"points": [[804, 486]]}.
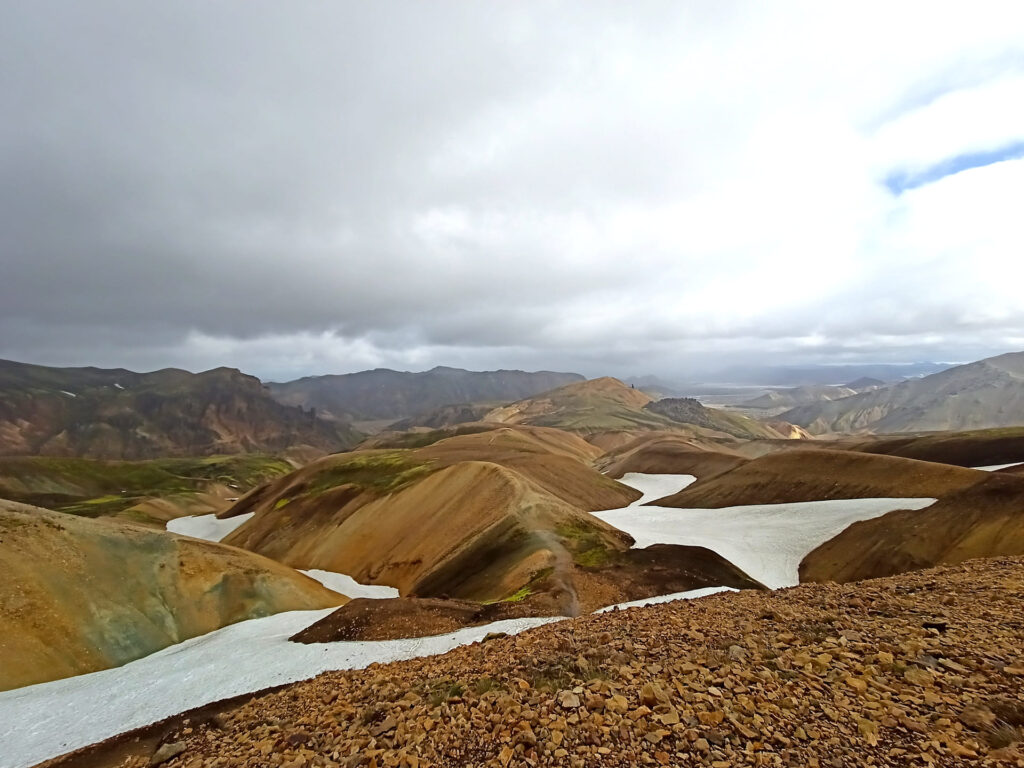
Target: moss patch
{"points": [[379, 471]]}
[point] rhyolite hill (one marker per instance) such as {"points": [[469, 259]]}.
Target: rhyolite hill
{"points": [[120, 414]]}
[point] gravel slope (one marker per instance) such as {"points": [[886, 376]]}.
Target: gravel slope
{"points": [[922, 669]]}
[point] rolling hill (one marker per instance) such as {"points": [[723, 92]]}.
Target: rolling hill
{"points": [[489, 516], [118, 414], [148, 492], [985, 394], [394, 395]]}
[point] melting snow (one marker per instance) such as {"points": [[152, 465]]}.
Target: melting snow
{"points": [[42, 721], [346, 585], [768, 541], [655, 486], [691, 594], [207, 527]]}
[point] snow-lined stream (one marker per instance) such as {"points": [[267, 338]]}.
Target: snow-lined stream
{"points": [[42, 721]]}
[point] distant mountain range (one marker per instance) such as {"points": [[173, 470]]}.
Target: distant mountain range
{"points": [[119, 414], [387, 394], [988, 393]]}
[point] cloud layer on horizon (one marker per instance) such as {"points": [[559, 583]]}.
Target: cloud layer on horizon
{"points": [[658, 187]]}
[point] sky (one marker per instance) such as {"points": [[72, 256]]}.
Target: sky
{"points": [[664, 188]]}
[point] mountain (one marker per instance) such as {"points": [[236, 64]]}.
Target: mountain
{"points": [[445, 416], [687, 410], [609, 405], [985, 394], [80, 595], [387, 394], [119, 414]]}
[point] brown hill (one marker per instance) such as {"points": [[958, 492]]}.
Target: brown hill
{"points": [[976, 448], [118, 414], [920, 669], [607, 405], [495, 515], [670, 454], [473, 530], [592, 405], [149, 492], [981, 520], [662, 569], [79, 595], [816, 475]]}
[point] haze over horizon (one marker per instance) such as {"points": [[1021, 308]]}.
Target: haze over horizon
{"points": [[608, 189]]}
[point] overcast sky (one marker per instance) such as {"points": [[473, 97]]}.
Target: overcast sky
{"points": [[607, 187]]}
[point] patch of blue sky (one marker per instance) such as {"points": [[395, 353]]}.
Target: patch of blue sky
{"points": [[900, 181]]}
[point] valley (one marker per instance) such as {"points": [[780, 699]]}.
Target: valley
{"points": [[584, 503]]}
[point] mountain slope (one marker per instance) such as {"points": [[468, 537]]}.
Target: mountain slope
{"points": [[475, 516], [387, 394], [983, 520], [148, 492], [820, 474], [985, 394], [496, 515], [79, 595], [660, 453], [118, 414], [608, 405], [818, 675], [976, 448]]}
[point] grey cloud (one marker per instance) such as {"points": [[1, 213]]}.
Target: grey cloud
{"points": [[182, 181]]}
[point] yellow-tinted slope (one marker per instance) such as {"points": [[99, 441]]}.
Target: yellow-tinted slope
{"points": [[78, 595]]}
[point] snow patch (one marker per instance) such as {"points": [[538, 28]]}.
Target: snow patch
{"points": [[655, 486], [207, 527], [46, 720], [348, 586], [995, 467], [768, 541], [69, 394], [118, 385], [691, 594]]}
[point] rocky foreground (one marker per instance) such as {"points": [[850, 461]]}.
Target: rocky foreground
{"points": [[921, 669]]}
